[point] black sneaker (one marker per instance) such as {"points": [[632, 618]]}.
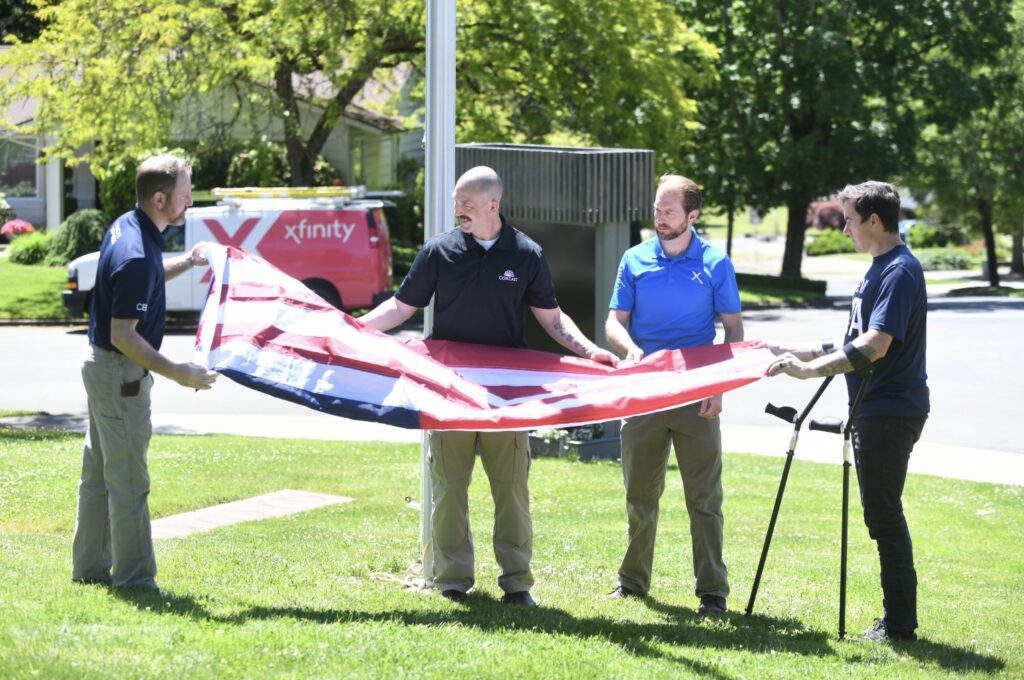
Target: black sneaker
{"points": [[522, 597], [622, 593], [454, 595], [880, 632], [711, 604]]}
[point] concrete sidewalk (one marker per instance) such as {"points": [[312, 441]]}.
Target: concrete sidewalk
{"points": [[930, 458]]}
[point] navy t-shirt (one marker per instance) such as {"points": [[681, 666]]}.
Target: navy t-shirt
{"points": [[892, 299], [129, 280], [480, 294]]}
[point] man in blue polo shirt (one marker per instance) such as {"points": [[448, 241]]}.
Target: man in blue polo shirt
{"points": [[112, 543], [668, 292], [482, 278], [885, 340]]}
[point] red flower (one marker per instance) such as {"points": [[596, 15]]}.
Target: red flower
{"points": [[16, 227]]}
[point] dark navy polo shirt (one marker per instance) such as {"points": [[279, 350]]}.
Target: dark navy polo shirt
{"points": [[480, 295], [892, 299], [672, 301], [129, 280]]}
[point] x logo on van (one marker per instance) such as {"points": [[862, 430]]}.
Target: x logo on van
{"points": [[222, 237]]}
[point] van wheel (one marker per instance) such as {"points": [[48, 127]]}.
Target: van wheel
{"points": [[326, 291]]}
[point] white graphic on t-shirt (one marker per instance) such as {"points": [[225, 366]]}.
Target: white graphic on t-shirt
{"points": [[696, 277], [509, 275], [856, 324]]}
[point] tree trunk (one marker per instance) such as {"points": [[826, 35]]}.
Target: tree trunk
{"points": [[985, 210], [1017, 261], [300, 166], [728, 231], [796, 228]]}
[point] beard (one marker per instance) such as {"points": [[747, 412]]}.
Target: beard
{"points": [[668, 234]]}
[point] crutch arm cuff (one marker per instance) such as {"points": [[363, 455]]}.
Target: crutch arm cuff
{"points": [[860, 362]]}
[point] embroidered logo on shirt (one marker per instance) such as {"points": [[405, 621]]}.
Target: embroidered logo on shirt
{"points": [[115, 233], [696, 277], [509, 275], [141, 307]]}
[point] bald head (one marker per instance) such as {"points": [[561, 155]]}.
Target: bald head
{"points": [[477, 198], [481, 181]]}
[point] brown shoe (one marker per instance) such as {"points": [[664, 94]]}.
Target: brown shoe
{"points": [[622, 592]]}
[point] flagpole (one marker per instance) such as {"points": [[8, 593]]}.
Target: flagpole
{"points": [[440, 181]]}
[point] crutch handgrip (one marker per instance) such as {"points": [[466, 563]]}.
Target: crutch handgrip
{"points": [[827, 424], [787, 413]]}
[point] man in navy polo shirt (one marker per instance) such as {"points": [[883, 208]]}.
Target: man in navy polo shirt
{"points": [[482, 277], [885, 339], [668, 292], [112, 541]]}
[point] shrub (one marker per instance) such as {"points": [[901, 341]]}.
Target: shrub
{"points": [[829, 242], [923, 235], [81, 233], [947, 259], [30, 248], [6, 212], [264, 163]]}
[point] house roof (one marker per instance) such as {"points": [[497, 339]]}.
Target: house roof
{"points": [[316, 85]]}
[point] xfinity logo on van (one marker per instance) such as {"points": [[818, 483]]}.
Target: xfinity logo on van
{"points": [[312, 230]]}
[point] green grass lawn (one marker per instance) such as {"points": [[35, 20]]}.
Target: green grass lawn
{"points": [[31, 292], [313, 595], [716, 223], [775, 294]]}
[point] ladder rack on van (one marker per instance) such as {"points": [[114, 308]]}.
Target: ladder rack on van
{"points": [[290, 192]]}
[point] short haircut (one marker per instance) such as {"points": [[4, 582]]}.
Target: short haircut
{"points": [[482, 180], [685, 189], [159, 174], [880, 198]]}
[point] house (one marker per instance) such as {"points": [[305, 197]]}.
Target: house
{"points": [[364, 147]]}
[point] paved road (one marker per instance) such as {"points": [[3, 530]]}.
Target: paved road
{"points": [[975, 374]]}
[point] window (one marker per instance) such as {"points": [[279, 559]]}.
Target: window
{"points": [[18, 167]]}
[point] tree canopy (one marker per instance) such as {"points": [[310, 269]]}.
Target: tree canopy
{"points": [[116, 71], [813, 95]]}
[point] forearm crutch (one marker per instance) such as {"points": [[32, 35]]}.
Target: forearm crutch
{"points": [[790, 415], [836, 426]]}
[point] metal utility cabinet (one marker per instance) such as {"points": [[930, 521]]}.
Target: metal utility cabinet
{"points": [[584, 206]]}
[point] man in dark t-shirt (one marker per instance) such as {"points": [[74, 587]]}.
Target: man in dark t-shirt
{"points": [[482, 278], [884, 339], [112, 541]]}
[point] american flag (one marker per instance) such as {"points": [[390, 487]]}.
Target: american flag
{"points": [[266, 330]]}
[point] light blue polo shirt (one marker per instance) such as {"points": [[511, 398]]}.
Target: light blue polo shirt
{"points": [[673, 301]]}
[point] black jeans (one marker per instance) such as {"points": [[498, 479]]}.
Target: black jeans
{"points": [[881, 449]]}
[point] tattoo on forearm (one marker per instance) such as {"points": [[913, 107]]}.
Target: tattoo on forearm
{"points": [[571, 341], [837, 367]]}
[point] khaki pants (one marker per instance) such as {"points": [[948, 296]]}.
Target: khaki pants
{"points": [[112, 533], [698, 446], [506, 459]]}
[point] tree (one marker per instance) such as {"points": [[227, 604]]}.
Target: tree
{"points": [[815, 95], [18, 20], [118, 71], [976, 169]]}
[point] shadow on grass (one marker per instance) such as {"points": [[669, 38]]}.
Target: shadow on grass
{"points": [[32, 431], [683, 627]]}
